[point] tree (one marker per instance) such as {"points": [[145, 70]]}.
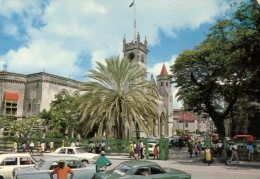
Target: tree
{"points": [[20, 128], [63, 117], [119, 96], [224, 68]]}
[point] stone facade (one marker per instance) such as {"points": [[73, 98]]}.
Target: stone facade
{"points": [[137, 51], [35, 91]]}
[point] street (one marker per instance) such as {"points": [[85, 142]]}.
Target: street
{"points": [[198, 169]]}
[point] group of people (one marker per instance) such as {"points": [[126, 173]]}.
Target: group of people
{"points": [[96, 147], [136, 150], [29, 146]]}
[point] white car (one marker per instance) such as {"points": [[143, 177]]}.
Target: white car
{"points": [[14, 160], [78, 152]]}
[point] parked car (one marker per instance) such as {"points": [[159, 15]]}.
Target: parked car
{"points": [[46, 165], [78, 152], [151, 147], [9, 161], [140, 170]]}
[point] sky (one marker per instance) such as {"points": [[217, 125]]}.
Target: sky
{"points": [[68, 37]]}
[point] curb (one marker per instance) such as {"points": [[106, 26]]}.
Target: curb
{"points": [[245, 165]]}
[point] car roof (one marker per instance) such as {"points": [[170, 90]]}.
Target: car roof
{"points": [[55, 158], [15, 155], [135, 163]]}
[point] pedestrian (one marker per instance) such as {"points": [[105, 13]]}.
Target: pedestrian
{"points": [[103, 146], [31, 146], [102, 162], [142, 149], [250, 150], [88, 147], [190, 148], [196, 149], [200, 148], [77, 144], [131, 149], [208, 155], [14, 150], [219, 148], [43, 147], [62, 171], [234, 153], [72, 144], [180, 142], [136, 151], [92, 147], [229, 149], [155, 151], [51, 144]]}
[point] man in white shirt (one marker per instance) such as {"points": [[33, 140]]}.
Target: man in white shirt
{"points": [[234, 153]]}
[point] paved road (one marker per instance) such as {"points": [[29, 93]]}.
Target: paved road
{"points": [[198, 169]]}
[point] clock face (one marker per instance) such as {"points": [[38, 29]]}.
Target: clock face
{"points": [[131, 56]]}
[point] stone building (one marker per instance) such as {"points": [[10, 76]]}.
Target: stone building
{"points": [[23, 95], [137, 51]]}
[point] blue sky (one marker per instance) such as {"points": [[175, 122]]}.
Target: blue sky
{"points": [[67, 37]]}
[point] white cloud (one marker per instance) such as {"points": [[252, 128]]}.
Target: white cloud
{"points": [[96, 28]]}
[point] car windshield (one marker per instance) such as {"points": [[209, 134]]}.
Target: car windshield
{"points": [[121, 169], [39, 164], [79, 150]]}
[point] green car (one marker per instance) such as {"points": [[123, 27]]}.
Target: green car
{"points": [[142, 169]]}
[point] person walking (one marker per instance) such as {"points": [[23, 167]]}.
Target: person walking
{"points": [[31, 146], [180, 142], [196, 149], [155, 152], [51, 144], [136, 151], [234, 153], [200, 148], [250, 150], [14, 150], [43, 147], [142, 149], [62, 171], [190, 148], [131, 149], [219, 148], [208, 155], [102, 162]]}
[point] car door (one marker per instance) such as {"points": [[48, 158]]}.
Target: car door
{"points": [[7, 166]]}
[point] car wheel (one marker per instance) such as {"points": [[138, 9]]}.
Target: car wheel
{"points": [[85, 162]]}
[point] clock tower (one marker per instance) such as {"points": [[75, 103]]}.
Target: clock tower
{"points": [[136, 51]]}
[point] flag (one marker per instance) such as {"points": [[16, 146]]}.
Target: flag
{"points": [[132, 3]]}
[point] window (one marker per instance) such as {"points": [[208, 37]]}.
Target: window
{"points": [[142, 171], [9, 161], [70, 151], [26, 161], [62, 151], [10, 107], [161, 83], [186, 124], [156, 170]]}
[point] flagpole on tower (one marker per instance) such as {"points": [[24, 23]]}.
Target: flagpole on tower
{"points": [[134, 4]]}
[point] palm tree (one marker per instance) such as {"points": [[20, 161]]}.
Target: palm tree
{"points": [[119, 96]]}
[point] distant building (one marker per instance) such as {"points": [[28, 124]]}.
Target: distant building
{"points": [[24, 95]]}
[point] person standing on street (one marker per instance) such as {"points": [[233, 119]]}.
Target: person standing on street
{"points": [[102, 162], [62, 171], [196, 149], [180, 142], [234, 153], [51, 144], [31, 146], [250, 149], [208, 155], [141, 149], [190, 148], [155, 152], [131, 149]]}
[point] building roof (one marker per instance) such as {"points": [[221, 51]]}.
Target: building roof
{"points": [[11, 96], [188, 117], [164, 71]]}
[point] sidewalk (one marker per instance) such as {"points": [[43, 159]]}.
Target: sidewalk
{"points": [[244, 164]]}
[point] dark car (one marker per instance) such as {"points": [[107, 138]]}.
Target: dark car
{"points": [[141, 170]]}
